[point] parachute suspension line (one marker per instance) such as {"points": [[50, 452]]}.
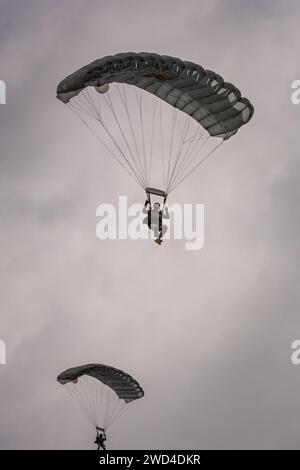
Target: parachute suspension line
{"points": [[115, 409], [114, 406], [134, 133], [191, 152], [111, 400], [112, 403], [98, 402], [84, 398], [84, 392], [192, 143], [198, 164], [197, 152], [80, 107], [171, 141], [97, 116], [112, 109], [88, 387], [106, 407], [131, 173], [94, 400], [162, 147], [110, 106], [181, 142], [101, 406], [131, 170], [143, 137], [92, 103], [79, 395], [123, 97], [120, 412], [154, 106], [106, 416], [139, 104], [84, 103]]}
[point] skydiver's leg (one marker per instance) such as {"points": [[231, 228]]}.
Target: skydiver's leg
{"points": [[163, 231], [155, 231]]}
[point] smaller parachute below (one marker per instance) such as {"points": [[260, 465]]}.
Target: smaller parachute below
{"points": [[102, 392]]}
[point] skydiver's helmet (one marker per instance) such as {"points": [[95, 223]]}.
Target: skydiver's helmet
{"points": [[156, 206]]}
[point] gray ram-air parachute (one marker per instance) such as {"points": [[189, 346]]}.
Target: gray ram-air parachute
{"points": [[162, 136], [102, 392]]}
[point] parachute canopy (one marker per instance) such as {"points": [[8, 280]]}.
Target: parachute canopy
{"points": [[211, 106], [103, 392]]}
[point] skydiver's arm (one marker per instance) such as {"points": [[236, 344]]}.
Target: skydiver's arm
{"points": [[145, 208], [166, 214]]}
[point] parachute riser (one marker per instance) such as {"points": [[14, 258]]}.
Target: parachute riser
{"points": [[156, 192], [100, 429]]}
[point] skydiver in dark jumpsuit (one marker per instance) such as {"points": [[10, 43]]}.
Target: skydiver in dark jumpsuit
{"points": [[100, 439], [155, 216]]}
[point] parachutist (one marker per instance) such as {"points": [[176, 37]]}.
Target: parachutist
{"points": [[103, 392], [154, 219], [100, 439]]}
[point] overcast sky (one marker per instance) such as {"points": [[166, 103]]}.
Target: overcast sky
{"points": [[207, 333]]}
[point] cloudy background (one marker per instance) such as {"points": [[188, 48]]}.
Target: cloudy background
{"points": [[208, 333]]}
